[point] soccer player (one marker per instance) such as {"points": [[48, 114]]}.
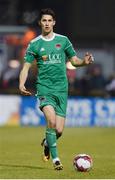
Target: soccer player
{"points": [[51, 51]]}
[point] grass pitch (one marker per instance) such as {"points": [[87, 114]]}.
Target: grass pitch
{"points": [[20, 153]]}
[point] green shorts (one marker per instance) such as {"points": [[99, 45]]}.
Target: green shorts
{"points": [[58, 101]]}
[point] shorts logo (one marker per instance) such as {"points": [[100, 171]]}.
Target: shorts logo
{"points": [[42, 99]]}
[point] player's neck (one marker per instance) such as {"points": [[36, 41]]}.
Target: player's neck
{"points": [[48, 35]]}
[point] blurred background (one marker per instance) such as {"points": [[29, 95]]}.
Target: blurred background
{"points": [[90, 25]]}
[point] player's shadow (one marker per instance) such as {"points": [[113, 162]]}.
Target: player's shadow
{"points": [[22, 166]]}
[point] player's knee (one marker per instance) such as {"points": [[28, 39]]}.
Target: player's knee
{"points": [[52, 124]]}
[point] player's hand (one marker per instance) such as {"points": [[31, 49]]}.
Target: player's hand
{"points": [[88, 58], [24, 91]]}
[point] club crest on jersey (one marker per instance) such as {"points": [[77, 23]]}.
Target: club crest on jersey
{"points": [[58, 46]]}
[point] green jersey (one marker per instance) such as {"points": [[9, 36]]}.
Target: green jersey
{"points": [[51, 55]]}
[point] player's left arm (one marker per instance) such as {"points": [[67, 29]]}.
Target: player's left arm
{"points": [[77, 62]]}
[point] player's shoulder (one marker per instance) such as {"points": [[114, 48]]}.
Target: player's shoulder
{"points": [[61, 36], [37, 39]]}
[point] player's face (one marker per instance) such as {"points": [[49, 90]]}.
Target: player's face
{"points": [[47, 23]]}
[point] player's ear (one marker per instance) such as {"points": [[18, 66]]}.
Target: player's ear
{"points": [[39, 23], [54, 22]]}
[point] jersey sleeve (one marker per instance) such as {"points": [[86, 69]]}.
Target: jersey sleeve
{"points": [[69, 50], [30, 55]]}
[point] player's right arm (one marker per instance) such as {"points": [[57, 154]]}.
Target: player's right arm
{"points": [[23, 77], [28, 58]]}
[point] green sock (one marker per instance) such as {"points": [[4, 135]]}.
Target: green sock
{"points": [[51, 140]]}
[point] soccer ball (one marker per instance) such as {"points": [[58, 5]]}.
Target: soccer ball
{"points": [[82, 162]]}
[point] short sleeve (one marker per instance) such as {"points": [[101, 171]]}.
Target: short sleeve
{"points": [[69, 50], [30, 54]]}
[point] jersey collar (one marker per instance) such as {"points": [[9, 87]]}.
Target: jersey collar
{"points": [[50, 39]]}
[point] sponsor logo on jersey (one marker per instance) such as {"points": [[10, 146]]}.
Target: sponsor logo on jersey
{"points": [[54, 59], [58, 46]]}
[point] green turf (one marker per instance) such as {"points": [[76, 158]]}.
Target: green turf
{"points": [[20, 153]]}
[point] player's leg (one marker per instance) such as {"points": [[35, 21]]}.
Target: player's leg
{"points": [[60, 121], [60, 109], [46, 104], [60, 115], [50, 116]]}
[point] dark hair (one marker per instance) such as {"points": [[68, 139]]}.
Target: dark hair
{"points": [[47, 11]]}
